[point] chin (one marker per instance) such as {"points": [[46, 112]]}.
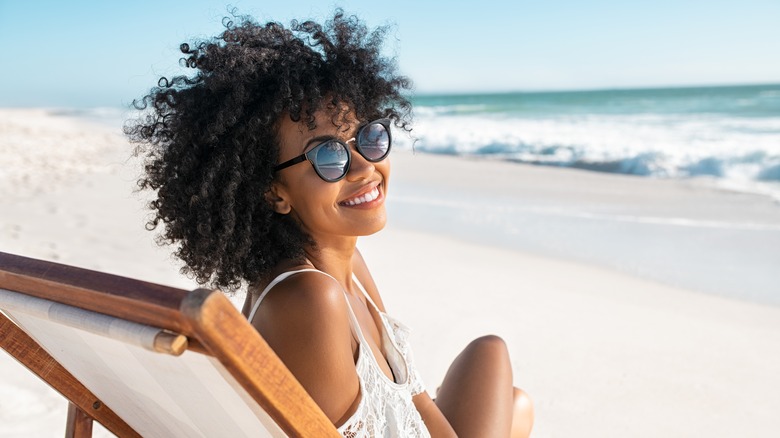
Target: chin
{"points": [[378, 229], [373, 227]]}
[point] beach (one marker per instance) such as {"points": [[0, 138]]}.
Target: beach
{"points": [[631, 306]]}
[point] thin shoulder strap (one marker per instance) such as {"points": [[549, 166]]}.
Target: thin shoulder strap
{"points": [[354, 322], [279, 278], [368, 297]]}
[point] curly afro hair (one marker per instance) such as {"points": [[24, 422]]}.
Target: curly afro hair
{"points": [[210, 140]]}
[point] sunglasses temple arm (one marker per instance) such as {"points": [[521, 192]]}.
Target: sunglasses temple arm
{"points": [[289, 163]]}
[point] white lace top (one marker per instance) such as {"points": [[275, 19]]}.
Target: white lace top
{"points": [[385, 408]]}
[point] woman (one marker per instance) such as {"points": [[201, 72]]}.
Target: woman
{"points": [[268, 164]]}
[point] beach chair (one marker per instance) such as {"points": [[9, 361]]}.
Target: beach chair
{"points": [[148, 360]]}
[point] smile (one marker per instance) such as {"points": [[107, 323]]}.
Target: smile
{"points": [[368, 197]]}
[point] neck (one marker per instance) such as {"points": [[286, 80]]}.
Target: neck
{"points": [[335, 258]]}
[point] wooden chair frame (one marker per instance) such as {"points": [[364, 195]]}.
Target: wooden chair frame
{"points": [[212, 325]]}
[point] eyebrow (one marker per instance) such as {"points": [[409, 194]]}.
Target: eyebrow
{"points": [[318, 139]]}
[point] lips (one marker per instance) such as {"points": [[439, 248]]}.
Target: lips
{"points": [[366, 195]]}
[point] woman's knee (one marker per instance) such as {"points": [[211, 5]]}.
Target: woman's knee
{"points": [[523, 414], [490, 345], [523, 404]]}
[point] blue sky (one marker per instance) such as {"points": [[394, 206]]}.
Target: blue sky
{"points": [[105, 53]]}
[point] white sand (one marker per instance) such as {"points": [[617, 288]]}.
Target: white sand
{"points": [[603, 353]]}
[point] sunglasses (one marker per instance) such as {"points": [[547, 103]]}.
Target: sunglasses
{"points": [[331, 158]]}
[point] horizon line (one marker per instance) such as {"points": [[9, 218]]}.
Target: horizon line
{"points": [[460, 93], [594, 89]]}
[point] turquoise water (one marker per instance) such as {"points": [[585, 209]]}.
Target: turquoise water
{"points": [[729, 134], [753, 101]]}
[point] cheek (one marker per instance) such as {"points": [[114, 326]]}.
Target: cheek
{"points": [[313, 197]]}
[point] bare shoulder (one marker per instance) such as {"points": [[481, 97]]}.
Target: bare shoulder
{"points": [[308, 304], [305, 320], [360, 268], [311, 294]]}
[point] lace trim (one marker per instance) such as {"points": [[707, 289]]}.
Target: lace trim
{"points": [[401, 338], [386, 408]]}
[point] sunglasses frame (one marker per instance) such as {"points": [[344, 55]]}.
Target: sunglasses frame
{"points": [[308, 155]]}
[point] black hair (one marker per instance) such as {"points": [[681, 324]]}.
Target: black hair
{"points": [[210, 140]]}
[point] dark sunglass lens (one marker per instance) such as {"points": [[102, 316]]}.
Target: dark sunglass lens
{"points": [[331, 160], [374, 141]]}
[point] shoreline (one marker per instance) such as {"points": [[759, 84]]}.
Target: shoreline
{"points": [[478, 248], [676, 232]]}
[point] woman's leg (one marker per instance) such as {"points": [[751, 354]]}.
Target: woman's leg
{"points": [[523, 415], [476, 395]]}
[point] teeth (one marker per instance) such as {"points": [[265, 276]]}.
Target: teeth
{"points": [[368, 197]]}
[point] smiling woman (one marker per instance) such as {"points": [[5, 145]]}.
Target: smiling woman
{"points": [[211, 139], [345, 194], [226, 151]]}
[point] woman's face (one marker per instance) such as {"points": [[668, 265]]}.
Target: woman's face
{"points": [[328, 209]]}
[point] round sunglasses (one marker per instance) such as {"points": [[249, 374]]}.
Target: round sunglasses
{"points": [[332, 157]]}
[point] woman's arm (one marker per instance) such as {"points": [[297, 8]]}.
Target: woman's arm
{"points": [[306, 322], [434, 420]]}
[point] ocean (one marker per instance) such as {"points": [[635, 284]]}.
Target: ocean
{"points": [[729, 135]]}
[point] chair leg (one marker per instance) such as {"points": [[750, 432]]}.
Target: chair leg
{"points": [[79, 424], [27, 352]]}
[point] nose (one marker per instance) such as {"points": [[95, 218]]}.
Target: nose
{"points": [[359, 168]]}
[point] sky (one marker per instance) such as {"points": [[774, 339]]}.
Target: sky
{"points": [[105, 53]]}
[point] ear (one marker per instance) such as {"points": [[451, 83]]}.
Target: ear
{"points": [[276, 197]]}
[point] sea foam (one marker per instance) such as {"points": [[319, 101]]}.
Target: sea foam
{"points": [[730, 135]]}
